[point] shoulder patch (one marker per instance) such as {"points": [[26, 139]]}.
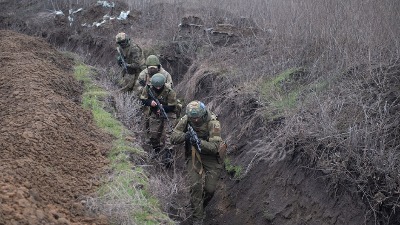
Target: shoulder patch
{"points": [[215, 128]]}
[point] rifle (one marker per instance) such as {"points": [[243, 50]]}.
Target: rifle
{"points": [[159, 106], [122, 60], [193, 138]]}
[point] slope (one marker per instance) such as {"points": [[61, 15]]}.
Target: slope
{"points": [[51, 151]]}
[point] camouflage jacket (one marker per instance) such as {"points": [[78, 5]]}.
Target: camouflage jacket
{"points": [[133, 56], [167, 98], [144, 76], [209, 133]]}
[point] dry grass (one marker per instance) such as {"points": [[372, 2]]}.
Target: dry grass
{"points": [[172, 191]]}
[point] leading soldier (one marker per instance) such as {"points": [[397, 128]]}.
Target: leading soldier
{"points": [[204, 154]]}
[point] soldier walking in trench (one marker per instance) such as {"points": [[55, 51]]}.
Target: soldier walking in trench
{"points": [[161, 101], [204, 150], [153, 66], [130, 58]]}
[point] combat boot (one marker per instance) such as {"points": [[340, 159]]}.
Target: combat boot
{"points": [[156, 152], [168, 159]]}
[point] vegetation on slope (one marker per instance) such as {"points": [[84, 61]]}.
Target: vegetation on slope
{"points": [[124, 195]]}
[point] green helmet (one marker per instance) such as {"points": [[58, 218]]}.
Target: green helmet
{"points": [[196, 109], [158, 80], [152, 60]]}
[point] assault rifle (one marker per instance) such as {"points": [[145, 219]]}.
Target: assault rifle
{"points": [[121, 57], [159, 106], [194, 140]]}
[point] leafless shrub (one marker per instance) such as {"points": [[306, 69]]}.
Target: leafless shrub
{"points": [[172, 190], [351, 134], [109, 78], [129, 110]]}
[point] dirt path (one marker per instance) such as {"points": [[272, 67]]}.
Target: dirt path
{"points": [[50, 149]]}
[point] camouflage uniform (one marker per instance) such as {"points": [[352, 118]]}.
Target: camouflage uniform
{"points": [[145, 78], [159, 131], [134, 59], [203, 168]]}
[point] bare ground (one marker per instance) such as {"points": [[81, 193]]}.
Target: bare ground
{"points": [[51, 151]]}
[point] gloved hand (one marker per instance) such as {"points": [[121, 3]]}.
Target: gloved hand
{"points": [[142, 82]]}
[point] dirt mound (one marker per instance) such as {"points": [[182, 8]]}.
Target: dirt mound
{"points": [[50, 148]]}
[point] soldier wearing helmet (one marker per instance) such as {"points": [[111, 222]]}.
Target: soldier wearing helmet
{"points": [[158, 133], [153, 66], [130, 58], [203, 167]]}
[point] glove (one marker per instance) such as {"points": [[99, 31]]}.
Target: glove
{"points": [[142, 82]]}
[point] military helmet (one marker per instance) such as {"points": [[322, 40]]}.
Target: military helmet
{"points": [[152, 60], [121, 37], [158, 80], [196, 109]]}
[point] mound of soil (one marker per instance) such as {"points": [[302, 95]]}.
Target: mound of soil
{"points": [[50, 148]]}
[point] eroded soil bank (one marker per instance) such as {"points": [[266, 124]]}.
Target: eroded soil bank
{"points": [[51, 151]]}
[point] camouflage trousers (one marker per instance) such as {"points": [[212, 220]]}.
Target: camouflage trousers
{"points": [[202, 186], [128, 82], [158, 131]]}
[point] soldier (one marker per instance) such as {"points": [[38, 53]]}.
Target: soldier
{"points": [[130, 58], [153, 66], [204, 155], [159, 114]]}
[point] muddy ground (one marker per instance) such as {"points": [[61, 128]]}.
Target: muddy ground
{"points": [[51, 152]]}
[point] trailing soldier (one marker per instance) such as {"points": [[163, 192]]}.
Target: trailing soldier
{"points": [[130, 58]]}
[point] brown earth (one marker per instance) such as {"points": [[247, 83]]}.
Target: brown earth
{"points": [[51, 151]]}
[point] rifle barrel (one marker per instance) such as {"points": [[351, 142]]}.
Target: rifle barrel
{"points": [[122, 59]]}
